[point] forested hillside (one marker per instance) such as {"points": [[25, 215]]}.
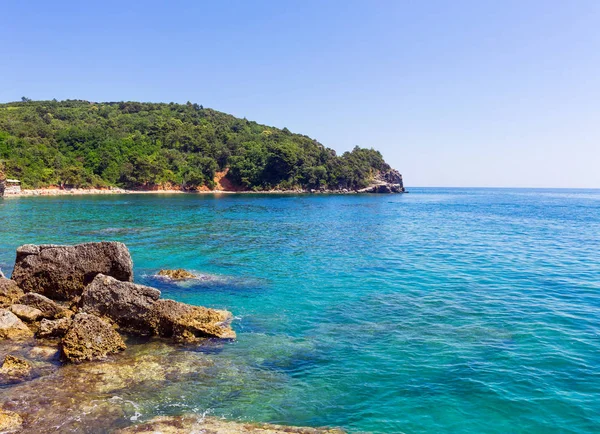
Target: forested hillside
{"points": [[142, 145]]}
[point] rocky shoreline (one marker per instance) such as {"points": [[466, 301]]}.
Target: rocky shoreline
{"points": [[68, 316]]}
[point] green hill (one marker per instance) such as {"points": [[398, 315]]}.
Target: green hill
{"points": [[143, 145]]}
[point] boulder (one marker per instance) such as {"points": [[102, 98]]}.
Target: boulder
{"points": [[125, 303], [186, 323], [54, 328], [178, 274], [62, 272], [9, 292], [26, 313], [49, 308], [90, 338], [14, 369], [10, 421], [11, 327]]}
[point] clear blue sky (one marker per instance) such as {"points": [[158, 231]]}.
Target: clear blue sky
{"points": [[454, 93]]}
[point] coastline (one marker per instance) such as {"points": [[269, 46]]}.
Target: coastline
{"points": [[97, 191]]}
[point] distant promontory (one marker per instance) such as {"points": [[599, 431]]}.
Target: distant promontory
{"points": [[158, 146]]}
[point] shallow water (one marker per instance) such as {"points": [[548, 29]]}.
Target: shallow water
{"points": [[443, 310]]}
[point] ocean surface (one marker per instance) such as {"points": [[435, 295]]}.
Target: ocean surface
{"points": [[442, 310]]}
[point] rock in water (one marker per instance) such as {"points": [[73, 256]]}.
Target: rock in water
{"points": [[9, 292], [26, 313], [90, 338], [12, 327], [54, 329], [49, 308], [15, 369], [125, 303], [186, 323], [213, 425], [62, 272], [178, 274], [10, 421]]}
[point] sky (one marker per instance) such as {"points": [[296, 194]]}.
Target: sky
{"points": [[454, 93]]}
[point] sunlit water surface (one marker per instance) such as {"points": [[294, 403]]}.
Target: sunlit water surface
{"points": [[442, 310]]}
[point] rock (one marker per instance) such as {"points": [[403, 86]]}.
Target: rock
{"points": [[9, 292], [26, 313], [178, 274], [183, 322], [90, 338], [10, 421], [49, 308], [11, 327], [213, 425], [62, 272], [125, 303], [44, 352], [14, 369], [54, 328]]}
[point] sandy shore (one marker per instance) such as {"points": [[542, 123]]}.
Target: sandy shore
{"points": [[91, 191]]}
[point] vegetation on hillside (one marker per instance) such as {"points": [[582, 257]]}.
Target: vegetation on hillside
{"points": [[140, 145]]}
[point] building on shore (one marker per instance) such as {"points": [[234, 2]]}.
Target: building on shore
{"points": [[10, 186]]}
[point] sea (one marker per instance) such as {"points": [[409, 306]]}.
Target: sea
{"points": [[445, 310]]}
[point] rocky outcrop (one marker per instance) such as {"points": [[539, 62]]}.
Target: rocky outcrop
{"points": [[125, 303], [11, 327], [54, 328], [213, 425], [9, 292], [10, 421], [186, 323], [49, 308], [90, 338], [179, 274], [14, 369], [26, 313], [62, 272]]}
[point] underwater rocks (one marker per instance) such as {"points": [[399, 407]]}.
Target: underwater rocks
{"points": [[14, 369], [179, 274], [10, 421], [11, 327], [62, 272], [213, 425], [125, 303], [90, 338], [9, 292]]}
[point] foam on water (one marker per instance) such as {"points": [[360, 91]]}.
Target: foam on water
{"points": [[464, 311]]}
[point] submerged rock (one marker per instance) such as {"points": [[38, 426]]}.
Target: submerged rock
{"points": [[213, 425], [186, 323], [9, 292], [178, 274], [54, 328], [62, 272], [49, 308], [11, 327], [90, 338], [125, 303], [14, 369], [10, 421]]}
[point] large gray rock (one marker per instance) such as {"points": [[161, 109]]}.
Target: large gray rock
{"points": [[125, 303], [54, 328], [90, 338], [186, 323], [62, 272], [11, 327], [9, 292]]}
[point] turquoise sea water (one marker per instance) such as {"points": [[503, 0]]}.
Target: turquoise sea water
{"points": [[443, 310]]}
